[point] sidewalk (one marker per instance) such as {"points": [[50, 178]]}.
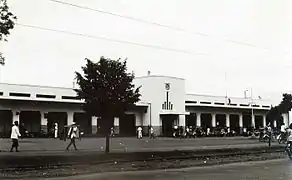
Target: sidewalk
{"points": [[123, 144]]}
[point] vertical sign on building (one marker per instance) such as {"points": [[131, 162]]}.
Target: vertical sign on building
{"points": [[167, 105]]}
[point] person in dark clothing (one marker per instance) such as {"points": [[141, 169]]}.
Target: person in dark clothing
{"points": [[73, 133]]}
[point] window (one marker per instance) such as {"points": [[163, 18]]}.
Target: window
{"points": [[19, 94], [218, 103], [46, 96], [203, 102], [71, 97], [244, 105], [191, 102]]}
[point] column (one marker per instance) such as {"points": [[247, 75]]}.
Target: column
{"points": [[117, 125], [240, 123], [94, 125], [285, 119], [240, 120], [198, 119], [213, 120], [182, 120], [253, 121], [227, 120], [70, 117], [264, 121], [44, 121], [275, 124], [15, 116], [139, 121]]}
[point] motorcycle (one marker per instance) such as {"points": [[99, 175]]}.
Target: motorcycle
{"points": [[264, 138], [282, 139]]}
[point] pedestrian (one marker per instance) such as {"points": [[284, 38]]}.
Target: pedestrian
{"points": [[245, 132], [22, 129], [56, 130], [139, 133], [175, 131], [73, 133], [187, 132], [208, 131], [112, 134], [152, 133], [269, 133], [14, 136], [283, 130], [289, 141]]}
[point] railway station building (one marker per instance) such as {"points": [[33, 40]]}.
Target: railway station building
{"points": [[164, 103]]}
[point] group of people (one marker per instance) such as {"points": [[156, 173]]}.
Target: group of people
{"points": [[190, 131], [73, 133], [140, 132]]}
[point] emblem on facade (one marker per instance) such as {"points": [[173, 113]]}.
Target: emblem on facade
{"points": [[167, 86], [167, 105]]}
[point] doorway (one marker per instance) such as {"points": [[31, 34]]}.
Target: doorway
{"points": [[5, 123], [168, 122], [127, 125]]}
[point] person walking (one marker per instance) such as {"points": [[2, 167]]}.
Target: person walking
{"points": [[139, 133], [56, 130], [14, 136], [289, 141], [73, 133], [151, 133], [112, 132]]}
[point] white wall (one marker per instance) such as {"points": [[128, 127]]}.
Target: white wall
{"points": [[221, 99], [153, 91], [33, 90]]}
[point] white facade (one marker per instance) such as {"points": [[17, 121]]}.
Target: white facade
{"points": [[163, 102]]}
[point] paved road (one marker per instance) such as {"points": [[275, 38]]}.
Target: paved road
{"points": [[129, 144], [268, 170]]}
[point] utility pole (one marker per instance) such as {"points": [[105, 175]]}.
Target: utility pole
{"points": [[251, 103], [245, 96], [225, 82], [252, 113]]}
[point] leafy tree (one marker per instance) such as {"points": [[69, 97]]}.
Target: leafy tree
{"points": [[7, 22], [276, 112], [107, 90], [273, 114], [286, 103]]}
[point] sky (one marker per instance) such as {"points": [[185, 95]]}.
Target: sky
{"points": [[222, 46]]}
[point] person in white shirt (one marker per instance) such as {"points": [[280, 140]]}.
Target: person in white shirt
{"points": [[283, 128], [208, 131], [289, 140], [14, 136], [139, 132], [188, 132], [56, 130], [73, 133]]}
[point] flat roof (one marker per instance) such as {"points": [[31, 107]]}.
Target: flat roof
{"points": [[160, 76], [40, 86]]}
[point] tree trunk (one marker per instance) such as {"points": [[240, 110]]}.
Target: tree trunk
{"points": [[107, 142], [108, 122]]}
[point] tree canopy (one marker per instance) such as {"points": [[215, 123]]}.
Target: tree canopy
{"points": [[107, 89], [276, 112], [7, 22]]}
